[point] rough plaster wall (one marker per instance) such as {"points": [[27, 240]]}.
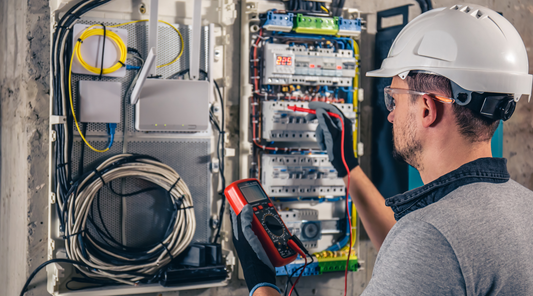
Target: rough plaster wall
{"points": [[24, 51]]}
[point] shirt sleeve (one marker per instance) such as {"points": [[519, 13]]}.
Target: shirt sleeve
{"points": [[416, 259]]}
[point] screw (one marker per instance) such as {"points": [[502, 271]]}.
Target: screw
{"points": [[142, 9]]}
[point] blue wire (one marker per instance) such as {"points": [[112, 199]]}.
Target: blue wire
{"points": [[111, 132], [344, 241], [340, 39]]}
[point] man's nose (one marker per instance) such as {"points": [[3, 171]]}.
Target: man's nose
{"points": [[390, 117]]}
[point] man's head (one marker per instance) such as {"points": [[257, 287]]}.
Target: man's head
{"points": [[417, 118]]}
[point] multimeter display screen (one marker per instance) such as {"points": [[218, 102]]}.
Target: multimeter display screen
{"points": [[252, 192]]}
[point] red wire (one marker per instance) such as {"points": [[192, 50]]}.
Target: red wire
{"points": [[301, 272]]}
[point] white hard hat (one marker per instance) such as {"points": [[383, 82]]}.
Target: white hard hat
{"points": [[473, 46]]}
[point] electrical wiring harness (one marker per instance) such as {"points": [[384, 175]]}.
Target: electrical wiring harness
{"points": [[97, 249]]}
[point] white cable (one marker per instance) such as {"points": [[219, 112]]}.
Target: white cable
{"points": [[80, 203]]}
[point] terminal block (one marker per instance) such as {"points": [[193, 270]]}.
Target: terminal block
{"points": [[279, 22], [283, 125], [316, 25], [311, 269], [349, 27], [332, 264]]}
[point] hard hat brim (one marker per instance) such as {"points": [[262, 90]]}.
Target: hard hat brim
{"points": [[382, 73]]}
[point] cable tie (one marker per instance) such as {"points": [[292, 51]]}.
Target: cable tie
{"points": [[168, 252], [174, 185], [253, 44], [103, 52], [79, 40], [123, 65], [255, 103], [254, 60], [276, 148], [60, 165], [99, 175], [74, 234], [264, 147], [255, 77], [263, 37]]}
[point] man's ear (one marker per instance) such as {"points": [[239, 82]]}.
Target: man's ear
{"points": [[430, 111]]}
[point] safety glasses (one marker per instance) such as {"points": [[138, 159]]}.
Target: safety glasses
{"points": [[391, 92]]}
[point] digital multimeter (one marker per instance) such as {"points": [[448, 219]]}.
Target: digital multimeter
{"points": [[267, 224]]}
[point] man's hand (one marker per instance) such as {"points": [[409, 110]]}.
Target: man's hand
{"points": [[257, 268], [377, 218], [328, 135]]}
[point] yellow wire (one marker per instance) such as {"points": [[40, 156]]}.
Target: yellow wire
{"points": [[89, 32], [325, 9], [356, 93], [72, 107], [166, 23]]}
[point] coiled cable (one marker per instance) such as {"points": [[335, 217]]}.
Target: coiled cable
{"points": [[120, 263], [92, 31]]}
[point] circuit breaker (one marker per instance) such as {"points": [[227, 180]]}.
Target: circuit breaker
{"points": [[283, 125]]}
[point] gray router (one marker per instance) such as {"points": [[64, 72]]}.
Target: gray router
{"points": [[167, 104]]}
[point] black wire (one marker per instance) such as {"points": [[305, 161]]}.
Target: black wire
{"points": [[82, 151], [221, 156], [292, 274], [34, 273], [289, 280], [110, 186]]}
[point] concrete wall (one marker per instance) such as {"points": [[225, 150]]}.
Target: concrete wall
{"points": [[24, 107], [24, 89]]}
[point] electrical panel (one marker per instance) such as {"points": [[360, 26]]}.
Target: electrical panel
{"points": [[119, 159], [294, 56]]}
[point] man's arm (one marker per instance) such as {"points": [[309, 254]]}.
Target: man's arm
{"points": [[377, 218]]}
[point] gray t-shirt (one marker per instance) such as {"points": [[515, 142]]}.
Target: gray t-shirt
{"points": [[476, 240]]}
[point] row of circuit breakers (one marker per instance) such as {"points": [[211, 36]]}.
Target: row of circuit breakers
{"points": [[286, 175], [285, 64]]}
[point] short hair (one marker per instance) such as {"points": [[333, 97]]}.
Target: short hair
{"points": [[472, 125]]}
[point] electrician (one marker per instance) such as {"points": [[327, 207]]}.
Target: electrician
{"points": [[457, 72]]}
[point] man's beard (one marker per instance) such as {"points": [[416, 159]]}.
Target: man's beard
{"points": [[410, 152]]}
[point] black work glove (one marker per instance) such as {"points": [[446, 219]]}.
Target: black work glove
{"points": [[328, 136], [257, 268]]}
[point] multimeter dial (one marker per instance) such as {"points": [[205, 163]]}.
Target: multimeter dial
{"points": [[272, 223]]}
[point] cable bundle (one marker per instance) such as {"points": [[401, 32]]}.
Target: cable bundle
{"points": [[113, 260]]}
